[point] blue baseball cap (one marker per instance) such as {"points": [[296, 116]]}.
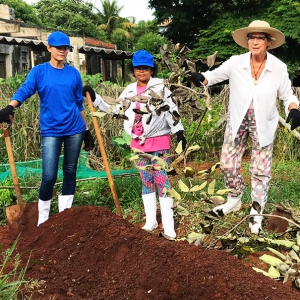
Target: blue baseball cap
{"points": [[58, 38], [142, 58]]}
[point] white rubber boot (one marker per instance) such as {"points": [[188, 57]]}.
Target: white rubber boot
{"points": [[149, 201], [44, 210], [166, 208], [65, 201], [233, 204], [255, 226]]}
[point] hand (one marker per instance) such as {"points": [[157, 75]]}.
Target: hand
{"points": [[197, 78], [88, 141], [87, 88], [294, 114], [5, 113], [181, 137]]}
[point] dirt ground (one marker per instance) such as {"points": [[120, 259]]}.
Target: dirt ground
{"points": [[91, 253]]}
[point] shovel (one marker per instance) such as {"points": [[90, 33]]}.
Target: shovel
{"points": [[13, 212]]}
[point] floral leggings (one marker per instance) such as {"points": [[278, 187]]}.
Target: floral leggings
{"points": [[153, 178], [260, 165]]}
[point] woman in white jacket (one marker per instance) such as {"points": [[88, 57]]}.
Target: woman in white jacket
{"points": [[256, 79], [150, 124]]}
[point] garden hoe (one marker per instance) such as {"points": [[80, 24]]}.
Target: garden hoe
{"points": [[13, 212]]}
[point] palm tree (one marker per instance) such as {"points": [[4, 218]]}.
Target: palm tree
{"points": [[111, 22]]}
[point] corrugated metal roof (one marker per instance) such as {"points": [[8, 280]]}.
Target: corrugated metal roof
{"points": [[22, 41], [83, 49], [106, 52]]}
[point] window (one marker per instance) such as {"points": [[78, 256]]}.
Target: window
{"points": [[24, 62], [2, 66]]}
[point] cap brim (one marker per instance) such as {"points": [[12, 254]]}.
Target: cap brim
{"points": [[240, 36], [142, 64], [60, 45]]}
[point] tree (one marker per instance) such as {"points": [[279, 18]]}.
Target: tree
{"points": [[115, 27], [281, 14], [23, 11], [71, 16], [190, 16], [151, 42]]}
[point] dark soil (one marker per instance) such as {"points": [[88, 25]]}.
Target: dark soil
{"points": [[91, 253]]}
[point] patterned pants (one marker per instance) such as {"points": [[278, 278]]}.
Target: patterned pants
{"points": [[153, 178], [260, 165]]}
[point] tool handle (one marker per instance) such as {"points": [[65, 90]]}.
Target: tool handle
{"points": [[103, 153], [13, 168]]}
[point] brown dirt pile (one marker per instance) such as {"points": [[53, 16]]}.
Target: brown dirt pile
{"points": [[91, 253]]}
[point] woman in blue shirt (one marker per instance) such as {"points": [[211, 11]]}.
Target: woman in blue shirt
{"points": [[62, 121]]}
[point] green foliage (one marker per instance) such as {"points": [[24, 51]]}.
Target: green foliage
{"points": [[151, 42], [285, 184], [72, 16], [91, 80], [163, 72], [5, 196], [16, 81], [210, 134], [123, 143], [23, 11], [98, 192], [282, 15], [188, 17], [11, 277], [109, 20]]}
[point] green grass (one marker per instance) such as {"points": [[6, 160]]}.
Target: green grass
{"points": [[284, 188], [12, 277]]}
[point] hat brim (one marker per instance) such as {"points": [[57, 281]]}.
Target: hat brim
{"points": [[240, 36]]}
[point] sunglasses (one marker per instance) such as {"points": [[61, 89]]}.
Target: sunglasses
{"points": [[62, 48]]}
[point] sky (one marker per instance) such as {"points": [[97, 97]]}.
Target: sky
{"points": [[131, 8]]}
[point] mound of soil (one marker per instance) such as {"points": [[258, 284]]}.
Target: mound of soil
{"points": [[91, 253]]}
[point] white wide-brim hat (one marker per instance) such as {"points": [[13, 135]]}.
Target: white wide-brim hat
{"points": [[240, 35]]}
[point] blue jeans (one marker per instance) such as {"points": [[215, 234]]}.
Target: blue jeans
{"points": [[51, 150]]}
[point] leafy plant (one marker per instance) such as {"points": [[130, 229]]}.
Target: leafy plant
{"points": [[123, 143], [91, 80], [283, 266], [16, 81]]}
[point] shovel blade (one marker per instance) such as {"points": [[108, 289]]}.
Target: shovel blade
{"points": [[13, 212], [19, 220], [13, 217]]}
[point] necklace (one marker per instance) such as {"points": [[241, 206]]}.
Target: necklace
{"points": [[255, 73]]}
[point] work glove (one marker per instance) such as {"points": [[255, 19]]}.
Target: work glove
{"points": [[181, 137], [88, 141], [197, 78], [294, 115], [87, 88], [5, 113]]}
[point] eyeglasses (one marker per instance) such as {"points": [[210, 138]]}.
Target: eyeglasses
{"points": [[62, 48], [142, 68], [259, 39]]}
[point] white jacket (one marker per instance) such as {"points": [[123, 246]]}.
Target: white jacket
{"points": [[159, 125], [274, 82]]}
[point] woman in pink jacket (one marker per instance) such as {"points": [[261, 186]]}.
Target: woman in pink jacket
{"points": [[150, 134]]}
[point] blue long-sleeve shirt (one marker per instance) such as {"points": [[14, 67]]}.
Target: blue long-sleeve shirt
{"points": [[61, 100]]}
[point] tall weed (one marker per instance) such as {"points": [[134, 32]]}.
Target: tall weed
{"points": [[11, 276]]}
